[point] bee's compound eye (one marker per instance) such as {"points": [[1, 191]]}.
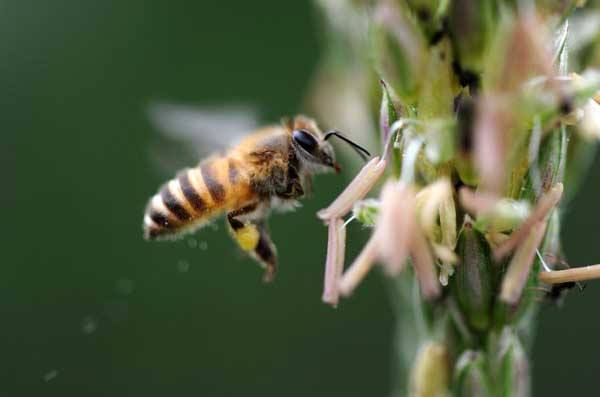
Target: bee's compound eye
{"points": [[305, 139]]}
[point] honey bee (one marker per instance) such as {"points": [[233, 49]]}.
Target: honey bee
{"points": [[270, 168]]}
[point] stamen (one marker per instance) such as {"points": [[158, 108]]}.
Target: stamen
{"points": [[430, 201], [448, 220], [424, 265], [395, 225], [490, 144], [362, 183], [518, 270], [359, 268], [334, 264], [570, 275]]}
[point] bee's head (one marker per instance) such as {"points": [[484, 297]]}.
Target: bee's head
{"points": [[314, 151]]}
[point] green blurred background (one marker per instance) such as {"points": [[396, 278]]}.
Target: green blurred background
{"points": [[90, 308]]}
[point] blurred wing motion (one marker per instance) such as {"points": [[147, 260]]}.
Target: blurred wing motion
{"points": [[190, 133]]}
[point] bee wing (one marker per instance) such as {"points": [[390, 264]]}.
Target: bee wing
{"points": [[189, 133]]}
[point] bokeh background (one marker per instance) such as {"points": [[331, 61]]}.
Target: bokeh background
{"points": [[89, 308]]}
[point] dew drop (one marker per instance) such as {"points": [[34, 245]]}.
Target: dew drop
{"points": [[48, 376], [89, 325], [192, 243], [183, 266], [203, 245]]}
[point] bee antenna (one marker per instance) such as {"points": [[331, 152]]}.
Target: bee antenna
{"points": [[362, 152]]}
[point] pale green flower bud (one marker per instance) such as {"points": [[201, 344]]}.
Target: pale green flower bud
{"points": [[589, 126], [473, 279], [514, 366], [472, 23], [366, 212], [440, 141], [470, 375], [399, 48], [431, 371]]}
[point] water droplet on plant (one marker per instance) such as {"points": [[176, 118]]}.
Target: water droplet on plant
{"points": [[183, 266], [48, 376], [88, 325], [203, 245], [192, 243]]}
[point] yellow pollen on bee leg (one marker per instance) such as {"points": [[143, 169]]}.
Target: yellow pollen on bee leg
{"points": [[247, 237]]}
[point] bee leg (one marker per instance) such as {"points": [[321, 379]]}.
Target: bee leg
{"points": [[245, 233], [253, 238], [293, 191], [294, 188], [266, 253]]}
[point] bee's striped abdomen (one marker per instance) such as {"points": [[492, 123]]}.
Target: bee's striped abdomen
{"points": [[176, 205], [194, 196], [215, 188], [190, 192]]}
